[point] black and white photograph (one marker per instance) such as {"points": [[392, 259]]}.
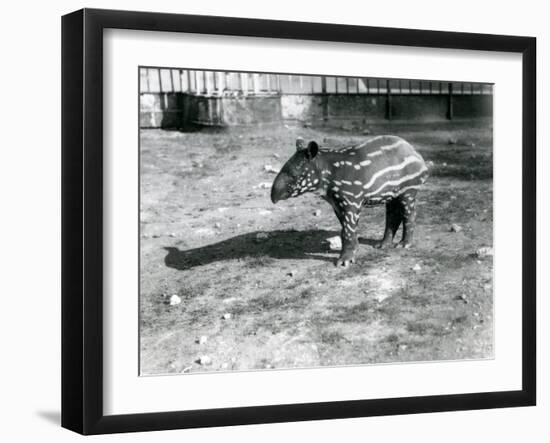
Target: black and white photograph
{"points": [[300, 221], [275, 221]]}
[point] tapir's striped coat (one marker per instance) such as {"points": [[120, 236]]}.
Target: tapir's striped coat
{"points": [[383, 169]]}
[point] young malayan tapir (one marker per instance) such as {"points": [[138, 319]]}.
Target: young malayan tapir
{"points": [[385, 169]]}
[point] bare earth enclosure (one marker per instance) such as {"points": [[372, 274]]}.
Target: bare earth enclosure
{"points": [[229, 281]]}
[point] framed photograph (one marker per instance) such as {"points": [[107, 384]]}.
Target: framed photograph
{"points": [[269, 221]]}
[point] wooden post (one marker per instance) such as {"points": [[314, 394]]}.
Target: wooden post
{"points": [[239, 81], [180, 72], [197, 82], [256, 83], [324, 98], [244, 82], [171, 81], [148, 80], [450, 102], [388, 101], [160, 80], [222, 84], [208, 82]]}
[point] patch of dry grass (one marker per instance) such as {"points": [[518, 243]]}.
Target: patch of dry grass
{"points": [[202, 208]]}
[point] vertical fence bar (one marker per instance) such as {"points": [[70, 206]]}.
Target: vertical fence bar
{"points": [[171, 82], [324, 98], [147, 71], [222, 83], [450, 102], [244, 83], [256, 83], [181, 80], [388, 101], [160, 80]]}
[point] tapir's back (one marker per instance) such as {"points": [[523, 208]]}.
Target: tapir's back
{"points": [[380, 168]]}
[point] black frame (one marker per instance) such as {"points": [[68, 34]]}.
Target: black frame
{"points": [[82, 218]]}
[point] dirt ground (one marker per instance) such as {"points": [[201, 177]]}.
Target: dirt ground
{"points": [[256, 282]]}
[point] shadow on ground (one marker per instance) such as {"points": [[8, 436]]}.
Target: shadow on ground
{"points": [[298, 245]]}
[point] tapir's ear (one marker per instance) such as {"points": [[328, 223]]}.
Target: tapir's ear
{"points": [[300, 144], [312, 149]]}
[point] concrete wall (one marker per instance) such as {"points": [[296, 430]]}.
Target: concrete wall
{"points": [[161, 110], [181, 110], [421, 107], [467, 106], [251, 110], [366, 107]]}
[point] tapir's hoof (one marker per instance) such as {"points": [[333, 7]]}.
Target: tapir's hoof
{"points": [[345, 260], [344, 263]]}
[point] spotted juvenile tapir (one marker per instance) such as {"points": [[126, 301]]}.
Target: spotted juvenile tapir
{"points": [[384, 169]]}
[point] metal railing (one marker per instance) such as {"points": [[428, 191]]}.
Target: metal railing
{"points": [[202, 82]]}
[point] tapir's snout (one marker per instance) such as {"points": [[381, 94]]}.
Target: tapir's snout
{"points": [[279, 189]]}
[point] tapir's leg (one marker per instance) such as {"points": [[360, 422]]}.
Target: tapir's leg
{"points": [[349, 236], [338, 210], [408, 208], [394, 216]]}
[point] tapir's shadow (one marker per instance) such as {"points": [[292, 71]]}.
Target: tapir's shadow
{"points": [[311, 244]]}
